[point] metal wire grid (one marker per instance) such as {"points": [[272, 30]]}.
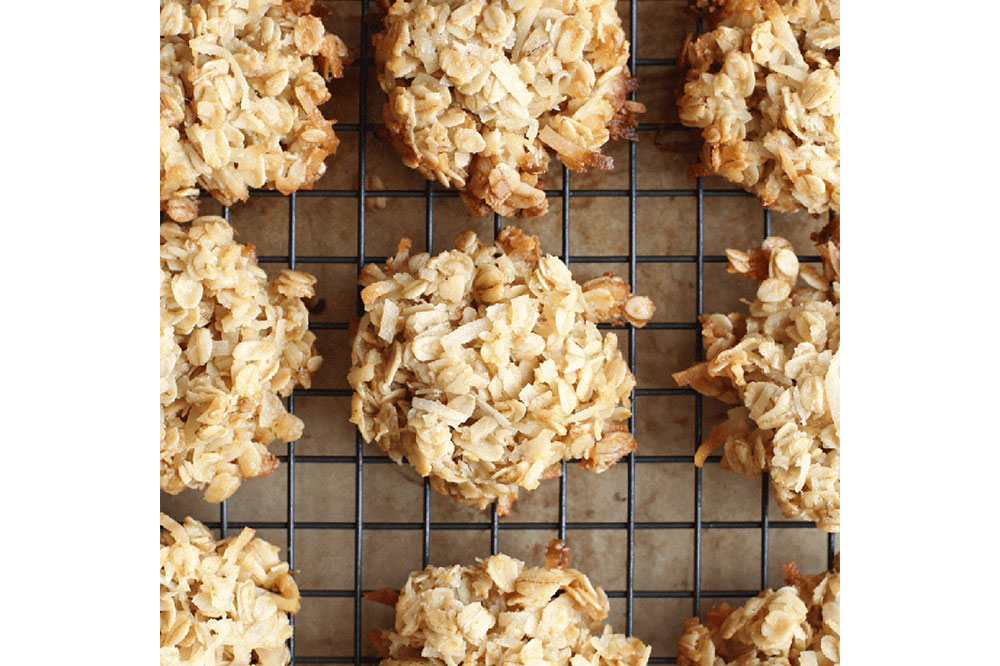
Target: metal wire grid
{"points": [[363, 128]]}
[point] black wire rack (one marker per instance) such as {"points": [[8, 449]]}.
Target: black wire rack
{"points": [[364, 130]]}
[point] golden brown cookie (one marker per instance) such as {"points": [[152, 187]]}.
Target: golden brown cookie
{"points": [[484, 367], [797, 624], [223, 602], [764, 88], [481, 93], [500, 611], [240, 87], [231, 345], [781, 363]]}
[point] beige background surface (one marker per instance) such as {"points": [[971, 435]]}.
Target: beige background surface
{"points": [[664, 491]]}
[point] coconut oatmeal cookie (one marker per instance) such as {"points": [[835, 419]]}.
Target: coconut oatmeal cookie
{"points": [[223, 602], [764, 88], [781, 364], [484, 367], [480, 93], [501, 612], [796, 625], [240, 87], [230, 344]]}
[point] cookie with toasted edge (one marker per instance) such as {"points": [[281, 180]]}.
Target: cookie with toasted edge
{"points": [[481, 94]]}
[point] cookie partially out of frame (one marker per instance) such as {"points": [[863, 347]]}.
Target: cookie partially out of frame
{"points": [[222, 603], [764, 88], [482, 93], [232, 345], [240, 87], [484, 368], [499, 611], [796, 625], [781, 363]]}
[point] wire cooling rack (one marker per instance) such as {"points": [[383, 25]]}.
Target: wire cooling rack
{"points": [[491, 523]]}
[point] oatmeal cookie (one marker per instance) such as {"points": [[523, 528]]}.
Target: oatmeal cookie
{"points": [[480, 93], [796, 625], [764, 88], [222, 602], [239, 98], [230, 344], [484, 367], [501, 612], [781, 363]]}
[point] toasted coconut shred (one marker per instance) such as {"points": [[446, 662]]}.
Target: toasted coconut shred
{"points": [[230, 344], [239, 98], [480, 93], [796, 625], [501, 612], [764, 88], [222, 602], [781, 363], [484, 367]]}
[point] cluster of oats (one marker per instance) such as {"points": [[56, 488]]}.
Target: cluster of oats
{"points": [[230, 345], [781, 363], [502, 612], [239, 98], [222, 603], [799, 624], [481, 92], [764, 88], [484, 367]]}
